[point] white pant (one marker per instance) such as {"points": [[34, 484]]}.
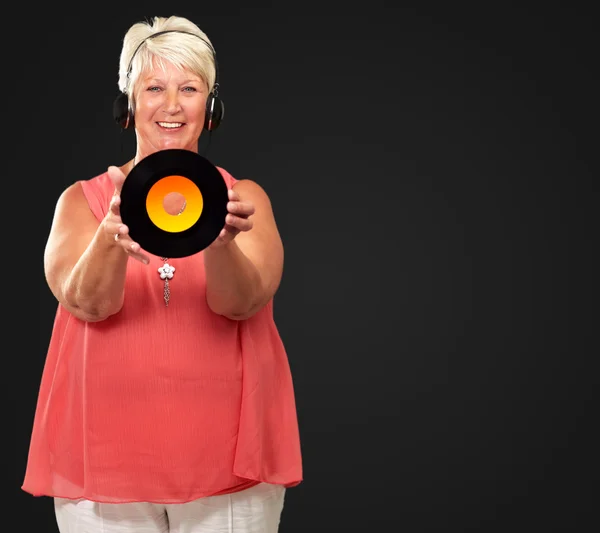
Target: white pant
{"points": [[254, 510]]}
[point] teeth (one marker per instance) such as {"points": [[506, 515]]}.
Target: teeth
{"points": [[170, 124]]}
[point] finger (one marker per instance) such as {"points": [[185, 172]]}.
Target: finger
{"points": [[119, 232], [131, 248], [233, 196], [239, 223], [135, 250], [139, 257], [117, 177], [228, 233], [241, 208], [116, 226], [115, 205]]}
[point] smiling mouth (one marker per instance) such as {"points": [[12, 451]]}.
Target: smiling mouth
{"points": [[170, 125]]}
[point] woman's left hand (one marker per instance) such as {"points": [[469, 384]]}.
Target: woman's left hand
{"points": [[237, 219]]}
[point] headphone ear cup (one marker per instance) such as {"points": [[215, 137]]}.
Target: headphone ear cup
{"points": [[215, 111], [121, 111]]}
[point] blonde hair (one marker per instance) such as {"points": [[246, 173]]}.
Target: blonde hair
{"points": [[180, 49]]}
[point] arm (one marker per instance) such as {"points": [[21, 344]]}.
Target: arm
{"points": [[84, 265], [243, 273]]}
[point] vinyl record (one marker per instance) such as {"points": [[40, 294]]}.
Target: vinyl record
{"points": [[203, 217]]}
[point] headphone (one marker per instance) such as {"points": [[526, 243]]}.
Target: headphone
{"points": [[215, 109]]}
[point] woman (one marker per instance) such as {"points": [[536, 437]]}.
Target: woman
{"points": [[170, 410]]}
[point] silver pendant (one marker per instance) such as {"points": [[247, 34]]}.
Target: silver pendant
{"points": [[166, 273]]}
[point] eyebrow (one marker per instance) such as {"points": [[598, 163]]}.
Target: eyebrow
{"points": [[190, 80]]}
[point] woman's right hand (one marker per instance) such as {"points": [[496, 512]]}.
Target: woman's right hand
{"points": [[113, 225]]}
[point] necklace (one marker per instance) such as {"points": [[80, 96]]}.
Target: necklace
{"points": [[167, 271]]}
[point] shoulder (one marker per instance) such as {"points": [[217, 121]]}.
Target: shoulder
{"points": [[97, 183], [92, 192], [71, 202], [250, 186], [246, 188], [250, 190], [72, 193]]}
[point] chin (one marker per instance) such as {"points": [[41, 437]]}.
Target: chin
{"points": [[172, 144]]}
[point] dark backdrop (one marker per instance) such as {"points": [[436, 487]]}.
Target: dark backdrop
{"points": [[428, 172]]}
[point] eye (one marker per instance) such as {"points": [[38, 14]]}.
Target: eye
{"points": [[154, 88], [189, 89]]}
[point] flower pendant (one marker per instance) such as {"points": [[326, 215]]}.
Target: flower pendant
{"points": [[166, 273]]}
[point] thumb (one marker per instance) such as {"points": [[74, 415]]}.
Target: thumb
{"points": [[117, 177]]}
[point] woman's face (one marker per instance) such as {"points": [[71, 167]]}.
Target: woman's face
{"points": [[169, 109]]}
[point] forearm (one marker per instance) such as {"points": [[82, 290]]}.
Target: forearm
{"points": [[95, 286], [234, 286]]}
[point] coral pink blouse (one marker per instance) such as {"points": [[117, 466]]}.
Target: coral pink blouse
{"points": [[162, 404]]}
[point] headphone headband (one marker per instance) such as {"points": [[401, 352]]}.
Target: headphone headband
{"points": [[214, 54]]}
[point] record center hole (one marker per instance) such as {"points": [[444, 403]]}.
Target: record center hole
{"points": [[174, 203]]}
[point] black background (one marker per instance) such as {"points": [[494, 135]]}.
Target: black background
{"points": [[429, 173]]}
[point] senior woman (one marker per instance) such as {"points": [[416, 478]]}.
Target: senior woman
{"points": [[161, 413]]}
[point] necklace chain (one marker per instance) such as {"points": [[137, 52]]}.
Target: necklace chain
{"points": [[167, 270]]}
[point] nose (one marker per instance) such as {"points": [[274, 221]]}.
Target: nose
{"points": [[172, 104]]}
